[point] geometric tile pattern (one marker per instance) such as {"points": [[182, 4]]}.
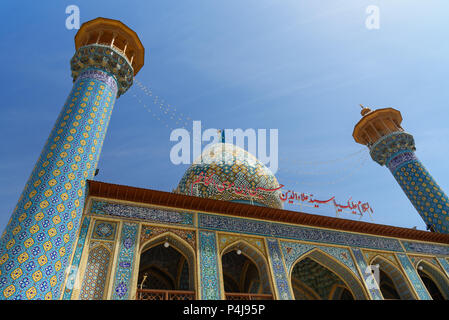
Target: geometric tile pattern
{"points": [[37, 243], [279, 272], [425, 194], [209, 275], [230, 173], [96, 273], [104, 230], [396, 151], [414, 277], [124, 269]]}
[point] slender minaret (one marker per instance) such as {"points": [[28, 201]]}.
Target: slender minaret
{"points": [[390, 145], [37, 243]]}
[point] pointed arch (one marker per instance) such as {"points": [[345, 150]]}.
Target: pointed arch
{"points": [[257, 258], [434, 274], [346, 275], [180, 245], [398, 279]]}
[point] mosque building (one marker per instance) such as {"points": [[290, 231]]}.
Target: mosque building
{"points": [[222, 233]]}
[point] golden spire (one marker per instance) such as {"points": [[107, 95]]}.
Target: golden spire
{"points": [[365, 110]]}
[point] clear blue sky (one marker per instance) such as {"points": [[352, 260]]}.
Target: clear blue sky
{"points": [[301, 67]]}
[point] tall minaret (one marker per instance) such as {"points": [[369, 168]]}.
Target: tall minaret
{"points": [[37, 244], [390, 145]]}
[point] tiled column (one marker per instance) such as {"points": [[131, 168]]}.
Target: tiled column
{"points": [[210, 282], [36, 246], [280, 276]]}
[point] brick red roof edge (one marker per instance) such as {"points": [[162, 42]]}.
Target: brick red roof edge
{"points": [[168, 199]]}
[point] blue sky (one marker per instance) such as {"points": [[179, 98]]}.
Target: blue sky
{"points": [[301, 67]]}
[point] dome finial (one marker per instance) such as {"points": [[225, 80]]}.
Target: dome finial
{"points": [[221, 135], [365, 110]]}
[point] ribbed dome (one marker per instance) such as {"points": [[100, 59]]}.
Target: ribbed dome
{"points": [[227, 172]]}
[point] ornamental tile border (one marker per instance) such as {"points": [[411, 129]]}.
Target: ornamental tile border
{"points": [[136, 212], [280, 275], [125, 263], [413, 276], [420, 247], [272, 229]]}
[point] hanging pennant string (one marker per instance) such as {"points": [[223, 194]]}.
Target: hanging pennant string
{"points": [[153, 113], [175, 117], [167, 109]]}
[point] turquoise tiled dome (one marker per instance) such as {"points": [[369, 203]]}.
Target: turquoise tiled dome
{"points": [[227, 172]]}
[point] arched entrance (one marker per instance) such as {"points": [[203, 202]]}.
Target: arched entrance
{"points": [[392, 282], [166, 270], [245, 273], [317, 276], [436, 283]]}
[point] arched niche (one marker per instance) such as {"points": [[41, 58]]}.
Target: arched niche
{"points": [[97, 271], [307, 285], [245, 271], [436, 283], [392, 282], [167, 263]]}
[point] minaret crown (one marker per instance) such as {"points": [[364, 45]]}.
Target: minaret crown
{"points": [[376, 124]]}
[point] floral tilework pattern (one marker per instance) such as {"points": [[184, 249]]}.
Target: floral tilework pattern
{"points": [[279, 271], [293, 250], [125, 263], [149, 214], [286, 231], [421, 247], [37, 243], [414, 277], [104, 230], [209, 274]]}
